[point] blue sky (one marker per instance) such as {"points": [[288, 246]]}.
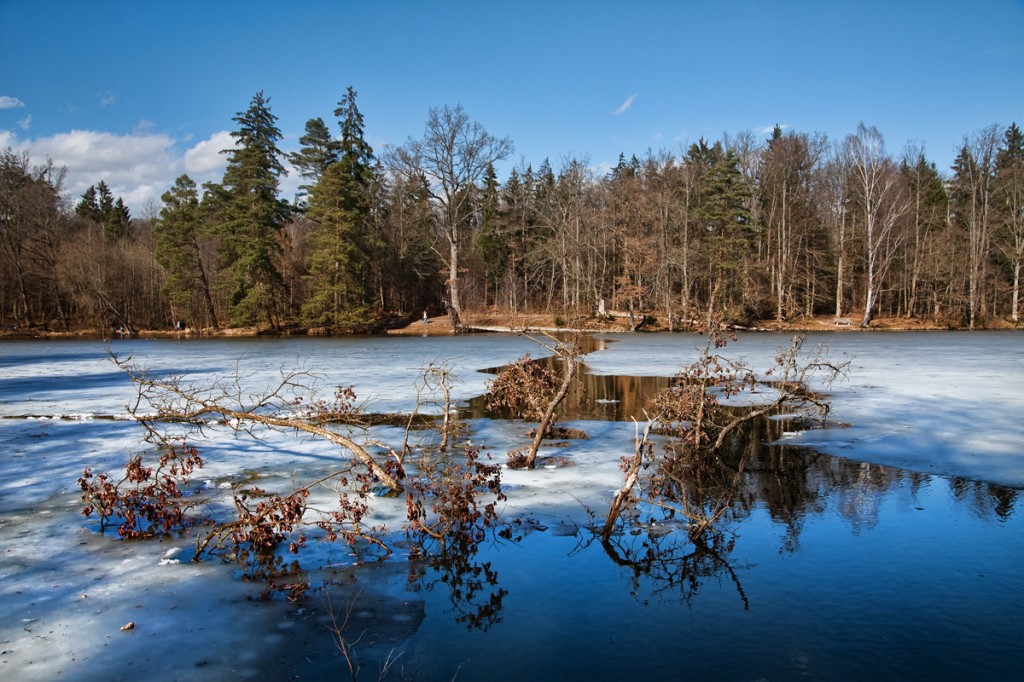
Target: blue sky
{"points": [[138, 92]]}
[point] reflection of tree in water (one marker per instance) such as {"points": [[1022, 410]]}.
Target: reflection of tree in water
{"points": [[859, 489], [985, 498], [473, 590], [687, 531], [672, 561], [682, 535]]}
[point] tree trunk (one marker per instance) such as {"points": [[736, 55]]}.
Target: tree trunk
{"points": [[455, 302], [1016, 293], [622, 495], [549, 413]]}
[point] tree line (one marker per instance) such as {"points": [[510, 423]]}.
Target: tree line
{"points": [[756, 229]]}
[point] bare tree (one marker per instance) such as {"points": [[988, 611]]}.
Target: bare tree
{"points": [[787, 213], [32, 224], [449, 160], [1010, 204], [836, 198], [693, 412], [529, 390], [972, 205], [879, 191], [451, 499]]}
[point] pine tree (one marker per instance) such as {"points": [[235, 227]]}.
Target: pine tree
{"points": [[927, 220], [178, 250], [318, 151], [98, 205], [344, 244], [723, 213], [119, 220], [356, 153], [621, 168], [493, 247], [106, 201], [88, 207], [251, 218]]}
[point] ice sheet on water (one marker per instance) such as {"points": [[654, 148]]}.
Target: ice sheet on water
{"points": [[936, 402], [76, 376], [67, 596]]}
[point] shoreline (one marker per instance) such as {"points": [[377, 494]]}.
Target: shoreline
{"points": [[503, 324]]}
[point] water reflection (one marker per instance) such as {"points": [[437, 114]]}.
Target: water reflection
{"points": [[685, 532], [984, 499], [597, 397], [691, 535], [472, 586]]}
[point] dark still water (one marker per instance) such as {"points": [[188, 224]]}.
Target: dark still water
{"points": [[826, 569]]}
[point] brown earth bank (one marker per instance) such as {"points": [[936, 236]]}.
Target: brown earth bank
{"points": [[620, 323], [504, 323]]}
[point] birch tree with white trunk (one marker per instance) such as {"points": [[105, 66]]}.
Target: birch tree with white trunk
{"points": [[879, 191]]}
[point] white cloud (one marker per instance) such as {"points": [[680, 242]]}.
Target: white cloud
{"points": [[289, 184], [108, 99], [7, 102], [205, 158], [26, 122], [625, 105], [139, 167], [767, 130]]}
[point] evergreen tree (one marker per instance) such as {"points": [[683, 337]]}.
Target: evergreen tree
{"points": [[520, 198], [621, 168], [251, 217], [118, 221], [343, 243], [722, 212], [318, 151], [178, 250], [98, 205], [411, 273], [927, 220], [88, 207], [490, 240], [106, 201], [356, 153]]}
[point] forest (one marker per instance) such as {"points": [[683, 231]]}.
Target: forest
{"points": [[777, 229]]}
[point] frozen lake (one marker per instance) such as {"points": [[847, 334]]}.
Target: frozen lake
{"points": [[889, 547]]}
